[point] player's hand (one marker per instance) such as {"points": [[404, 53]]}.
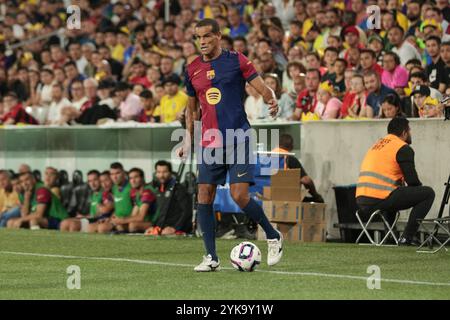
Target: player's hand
{"points": [[183, 151], [273, 107]]}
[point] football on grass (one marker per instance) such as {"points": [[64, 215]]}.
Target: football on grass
{"points": [[246, 256]]}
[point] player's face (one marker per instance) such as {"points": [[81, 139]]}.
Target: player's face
{"points": [[136, 180], [106, 182], [117, 176], [94, 182], [208, 42]]}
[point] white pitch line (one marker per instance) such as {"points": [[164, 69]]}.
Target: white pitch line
{"points": [[171, 264]]}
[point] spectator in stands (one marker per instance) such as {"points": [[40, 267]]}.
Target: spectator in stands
{"points": [[355, 105], [72, 75], [307, 99], [237, 26], [436, 69], [173, 201], [152, 113], [123, 207], [9, 197], [14, 111], [59, 102], [45, 88], [40, 208], [420, 94], [286, 104], [369, 62], [51, 181], [445, 56], [293, 69], [254, 106], [268, 64], [328, 106], [417, 79], [286, 145], [390, 107], [376, 44], [130, 105], [166, 67], [174, 101], [394, 75], [431, 109], [400, 46], [377, 91]]}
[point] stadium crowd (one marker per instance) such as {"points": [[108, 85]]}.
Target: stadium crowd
{"points": [[126, 62], [111, 201]]}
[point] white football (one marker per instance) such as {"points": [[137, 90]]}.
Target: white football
{"points": [[246, 256]]}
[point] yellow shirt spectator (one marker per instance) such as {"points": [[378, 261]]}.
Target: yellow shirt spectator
{"points": [[8, 200], [170, 106]]}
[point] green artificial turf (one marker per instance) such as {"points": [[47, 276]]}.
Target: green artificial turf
{"points": [[138, 267]]}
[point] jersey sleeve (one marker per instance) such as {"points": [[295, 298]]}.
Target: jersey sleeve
{"points": [[133, 196], [147, 196], [247, 68], [43, 196], [107, 197], [189, 87]]}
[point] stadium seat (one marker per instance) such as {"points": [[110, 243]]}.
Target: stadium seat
{"points": [[388, 227], [77, 178], [63, 178], [37, 175]]}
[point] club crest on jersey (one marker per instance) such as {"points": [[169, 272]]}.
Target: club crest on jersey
{"points": [[210, 74]]}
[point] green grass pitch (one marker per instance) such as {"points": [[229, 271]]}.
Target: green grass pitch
{"points": [[33, 265]]}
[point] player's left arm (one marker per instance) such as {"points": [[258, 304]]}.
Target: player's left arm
{"points": [[267, 94]]}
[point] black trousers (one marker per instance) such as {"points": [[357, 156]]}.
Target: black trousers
{"points": [[419, 198]]}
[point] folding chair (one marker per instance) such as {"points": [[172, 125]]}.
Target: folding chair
{"points": [[388, 227], [438, 223]]}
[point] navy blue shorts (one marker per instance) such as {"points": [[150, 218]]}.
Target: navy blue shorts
{"points": [[238, 160]]}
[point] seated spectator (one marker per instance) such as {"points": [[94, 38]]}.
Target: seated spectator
{"points": [[390, 107], [286, 145], [254, 105], [174, 101], [59, 102], [286, 104], [174, 203], [369, 62], [14, 111], [122, 200], [130, 105], [377, 91], [40, 208], [355, 105], [45, 87], [307, 99], [152, 112], [105, 207], [51, 181], [420, 94], [9, 197], [394, 75], [293, 69], [338, 77], [328, 106], [431, 109]]}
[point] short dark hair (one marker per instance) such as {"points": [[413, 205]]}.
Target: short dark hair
{"points": [[398, 125], [421, 75], [369, 51], [435, 38], [138, 170], [163, 163], [446, 43], [146, 94], [392, 99], [414, 61], [395, 56], [315, 70], [116, 165], [343, 61], [209, 22], [70, 63], [105, 173], [96, 172], [333, 49], [286, 142]]}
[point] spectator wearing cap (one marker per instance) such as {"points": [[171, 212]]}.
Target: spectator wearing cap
{"points": [[400, 46], [436, 69], [420, 94], [14, 111], [328, 106], [376, 44], [174, 101], [435, 15], [130, 106], [352, 40], [377, 91], [394, 75], [431, 109]]}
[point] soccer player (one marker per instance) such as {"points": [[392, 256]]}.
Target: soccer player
{"points": [[40, 207], [106, 207], [216, 81]]}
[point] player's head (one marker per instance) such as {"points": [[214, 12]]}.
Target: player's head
{"points": [[117, 173], [400, 127], [163, 171], [93, 177], [105, 181], [207, 34], [136, 177]]}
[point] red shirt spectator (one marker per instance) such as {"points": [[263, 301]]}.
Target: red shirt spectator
{"points": [[15, 113]]}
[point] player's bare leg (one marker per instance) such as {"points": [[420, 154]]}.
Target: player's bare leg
{"points": [[134, 227]]}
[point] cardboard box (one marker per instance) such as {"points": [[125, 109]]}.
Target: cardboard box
{"points": [[295, 211], [285, 185], [266, 193], [303, 232], [313, 212], [282, 211]]}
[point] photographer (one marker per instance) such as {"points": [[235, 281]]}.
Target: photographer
{"points": [[307, 99]]}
